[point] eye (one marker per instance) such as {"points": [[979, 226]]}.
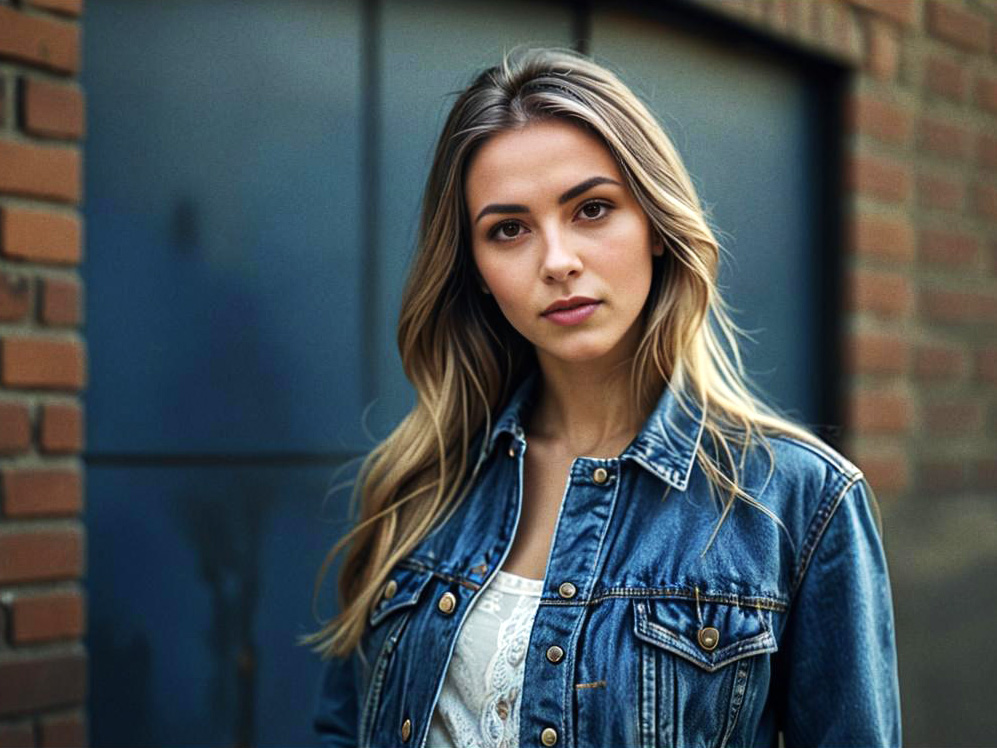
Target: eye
{"points": [[594, 210], [505, 231]]}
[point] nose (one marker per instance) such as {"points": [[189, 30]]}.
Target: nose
{"points": [[560, 260]]}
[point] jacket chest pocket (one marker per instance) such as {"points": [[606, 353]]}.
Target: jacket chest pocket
{"points": [[387, 622], [696, 669]]}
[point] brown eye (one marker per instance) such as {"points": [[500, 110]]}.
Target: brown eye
{"points": [[505, 231], [595, 210]]}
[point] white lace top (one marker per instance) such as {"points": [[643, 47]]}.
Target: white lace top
{"points": [[479, 702]]}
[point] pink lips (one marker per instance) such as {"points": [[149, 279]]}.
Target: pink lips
{"points": [[573, 315]]}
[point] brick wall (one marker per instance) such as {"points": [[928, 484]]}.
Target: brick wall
{"points": [[921, 176], [43, 665]]}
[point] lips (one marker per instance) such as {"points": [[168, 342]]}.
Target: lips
{"points": [[571, 302]]}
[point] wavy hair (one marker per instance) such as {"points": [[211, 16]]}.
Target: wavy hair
{"points": [[464, 358]]}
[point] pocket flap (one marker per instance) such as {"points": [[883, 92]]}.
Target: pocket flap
{"points": [[673, 624], [408, 583]]}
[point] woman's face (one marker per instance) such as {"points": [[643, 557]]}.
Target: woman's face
{"points": [[552, 218]]}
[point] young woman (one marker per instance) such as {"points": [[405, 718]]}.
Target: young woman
{"points": [[550, 548]]}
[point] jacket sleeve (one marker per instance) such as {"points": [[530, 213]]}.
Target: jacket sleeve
{"points": [[838, 650], [337, 711]]}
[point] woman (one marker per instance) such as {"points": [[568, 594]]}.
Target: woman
{"points": [[548, 551]]}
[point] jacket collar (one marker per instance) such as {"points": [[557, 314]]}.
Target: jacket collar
{"points": [[666, 445]]}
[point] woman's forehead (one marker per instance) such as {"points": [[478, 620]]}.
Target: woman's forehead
{"points": [[552, 155]]}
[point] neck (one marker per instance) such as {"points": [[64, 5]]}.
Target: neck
{"points": [[585, 410]]}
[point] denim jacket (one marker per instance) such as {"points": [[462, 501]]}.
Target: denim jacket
{"points": [[774, 629]]}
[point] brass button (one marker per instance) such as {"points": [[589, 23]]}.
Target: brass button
{"points": [[548, 736], [447, 603], [567, 590], [555, 653], [406, 730], [512, 451], [709, 637], [600, 475], [390, 589]]}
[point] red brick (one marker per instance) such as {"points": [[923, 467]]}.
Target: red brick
{"points": [[29, 684], [61, 429], [986, 93], [42, 363], [940, 193], [887, 238], [52, 110], [943, 475], [985, 474], [15, 296], [986, 365], [65, 7], [881, 178], [946, 78], [943, 138], [61, 302], [34, 556], [46, 171], [15, 428], [939, 362], [882, 52], [949, 248], [984, 200], [878, 412], [47, 617], [18, 734], [884, 294], [46, 42], [957, 25], [887, 470], [38, 492], [959, 307], [41, 236], [879, 119], [903, 12], [63, 731], [873, 353], [954, 415], [986, 151]]}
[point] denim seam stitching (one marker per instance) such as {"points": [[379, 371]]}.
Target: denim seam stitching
{"points": [[760, 602], [818, 527]]}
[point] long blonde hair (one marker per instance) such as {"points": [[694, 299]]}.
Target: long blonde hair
{"points": [[464, 358]]}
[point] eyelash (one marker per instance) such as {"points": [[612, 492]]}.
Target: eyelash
{"points": [[494, 232]]}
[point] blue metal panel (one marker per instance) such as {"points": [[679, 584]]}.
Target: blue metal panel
{"points": [[223, 257], [429, 51], [199, 582], [744, 127]]}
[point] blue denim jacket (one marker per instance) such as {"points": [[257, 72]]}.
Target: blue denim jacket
{"points": [[774, 629]]}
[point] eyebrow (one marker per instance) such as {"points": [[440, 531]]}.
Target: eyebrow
{"points": [[574, 192]]}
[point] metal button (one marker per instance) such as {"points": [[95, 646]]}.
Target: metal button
{"points": [[567, 590], [390, 589], [708, 637], [555, 653], [447, 603], [512, 451], [600, 475], [548, 736], [406, 730]]}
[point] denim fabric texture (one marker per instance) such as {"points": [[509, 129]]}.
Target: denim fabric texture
{"points": [[775, 628]]}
